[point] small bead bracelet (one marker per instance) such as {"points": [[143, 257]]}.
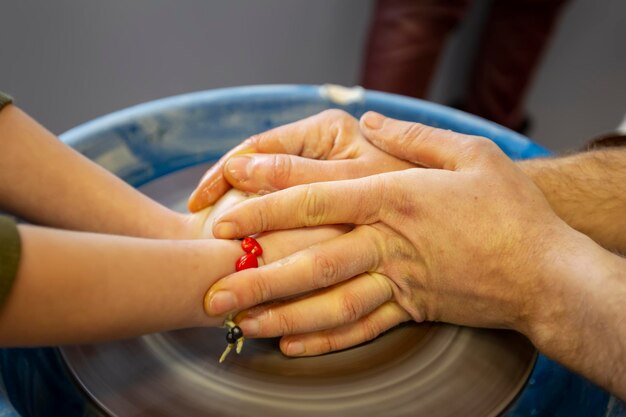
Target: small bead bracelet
{"points": [[252, 250], [234, 337]]}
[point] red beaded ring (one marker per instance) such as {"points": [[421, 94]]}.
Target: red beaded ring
{"points": [[249, 259]]}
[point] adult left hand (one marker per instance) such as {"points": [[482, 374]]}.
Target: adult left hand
{"points": [[325, 147], [470, 241]]}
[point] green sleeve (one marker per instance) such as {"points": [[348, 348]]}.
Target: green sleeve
{"points": [[10, 245], [10, 248], [5, 99]]}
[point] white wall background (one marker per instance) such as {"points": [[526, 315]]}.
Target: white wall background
{"points": [[68, 61]]}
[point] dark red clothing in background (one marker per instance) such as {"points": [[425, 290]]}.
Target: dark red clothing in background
{"points": [[407, 37]]}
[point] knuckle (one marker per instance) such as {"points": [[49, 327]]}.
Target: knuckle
{"points": [[329, 343], [384, 285], [325, 270], [413, 135], [479, 146], [352, 308], [414, 132], [314, 207], [281, 170], [260, 213], [373, 239], [261, 290], [371, 328], [380, 187], [400, 250], [376, 202], [341, 130], [286, 324]]}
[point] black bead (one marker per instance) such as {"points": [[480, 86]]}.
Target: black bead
{"points": [[230, 338], [237, 333]]}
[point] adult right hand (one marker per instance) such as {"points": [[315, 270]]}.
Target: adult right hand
{"points": [[472, 241]]}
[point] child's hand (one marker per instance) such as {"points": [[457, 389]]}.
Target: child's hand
{"points": [[199, 225]]}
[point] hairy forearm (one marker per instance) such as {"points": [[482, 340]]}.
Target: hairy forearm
{"points": [[76, 287], [588, 191], [46, 182], [580, 319]]}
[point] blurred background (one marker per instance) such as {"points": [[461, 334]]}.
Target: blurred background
{"points": [[68, 61]]}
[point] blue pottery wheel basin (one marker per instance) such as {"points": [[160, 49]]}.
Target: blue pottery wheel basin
{"points": [[163, 147]]}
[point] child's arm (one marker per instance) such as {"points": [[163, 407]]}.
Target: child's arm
{"points": [[46, 182], [75, 287], [78, 287]]}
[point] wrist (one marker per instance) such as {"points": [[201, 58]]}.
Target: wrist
{"points": [[571, 282], [179, 226], [199, 225], [579, 321], [196, 225], [230, 254], [218, 258], [544, 172], [551, 176]]}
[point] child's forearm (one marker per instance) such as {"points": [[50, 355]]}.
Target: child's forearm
{"points": [[77, 287], [48, 183]]}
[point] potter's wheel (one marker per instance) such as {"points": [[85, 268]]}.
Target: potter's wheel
{"points": [[414, 370]]}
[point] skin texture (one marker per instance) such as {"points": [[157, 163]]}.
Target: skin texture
{"points": [[85, 286], [326, 147], [471, 241], [587, 190], [78, 287], [48, 183]]}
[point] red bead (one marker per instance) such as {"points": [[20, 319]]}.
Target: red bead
{"points": [[250, 245], [248, 260]]}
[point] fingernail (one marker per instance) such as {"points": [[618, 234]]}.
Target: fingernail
{"points": [[222, 302], [373, 120], [240, 167], [250, 327], [295, 348], [225, 230]]}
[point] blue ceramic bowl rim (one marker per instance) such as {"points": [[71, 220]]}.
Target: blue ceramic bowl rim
{"points": [[466, 122]]}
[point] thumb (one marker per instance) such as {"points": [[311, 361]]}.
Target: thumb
{"points": [[425, 145]]}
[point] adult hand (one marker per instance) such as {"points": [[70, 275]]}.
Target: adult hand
{"points": [[325, 147], [468, 242]]}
